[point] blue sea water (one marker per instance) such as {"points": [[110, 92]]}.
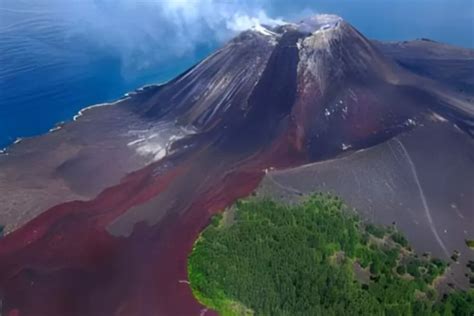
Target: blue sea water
{"points": [[49, 69]]}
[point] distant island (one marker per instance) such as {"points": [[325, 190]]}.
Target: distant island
{"points": [[317, 258]]}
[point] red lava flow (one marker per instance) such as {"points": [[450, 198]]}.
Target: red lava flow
{"points": [[65, 262]]}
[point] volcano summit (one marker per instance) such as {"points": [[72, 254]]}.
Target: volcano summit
{"points": [[101, 213]]}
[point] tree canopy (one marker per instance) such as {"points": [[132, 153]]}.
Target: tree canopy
{"points": [[315, 258]]}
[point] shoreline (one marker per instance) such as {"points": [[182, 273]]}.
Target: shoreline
{"points": [[60, 124]]}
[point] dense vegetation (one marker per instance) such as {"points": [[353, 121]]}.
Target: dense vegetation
{"points": [[470, 243], [316, 258]]}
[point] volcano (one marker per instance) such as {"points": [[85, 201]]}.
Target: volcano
{"points": [[102, 212]]}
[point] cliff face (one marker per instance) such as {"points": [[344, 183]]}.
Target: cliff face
{"points": [[176, 154]]}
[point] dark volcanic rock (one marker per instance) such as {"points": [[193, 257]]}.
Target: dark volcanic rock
{"points": [[421, 180], [152, 169]]}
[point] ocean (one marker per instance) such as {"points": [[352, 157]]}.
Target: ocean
{"points": [[51, 65], [48, 73]]}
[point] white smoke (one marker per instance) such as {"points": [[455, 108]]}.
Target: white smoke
{"points": [[240, 22], [149, 33]]}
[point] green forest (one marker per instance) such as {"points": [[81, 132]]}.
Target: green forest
{"points": [[316, 258]]}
